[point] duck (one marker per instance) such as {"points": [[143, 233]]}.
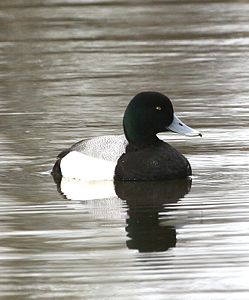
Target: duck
{"points": [[138, 154]]}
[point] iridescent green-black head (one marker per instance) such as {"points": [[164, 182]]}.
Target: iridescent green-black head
{"points": [[149, 113]]}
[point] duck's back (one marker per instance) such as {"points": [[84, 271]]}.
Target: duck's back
{"points": [[108, 147], [156, 162]]}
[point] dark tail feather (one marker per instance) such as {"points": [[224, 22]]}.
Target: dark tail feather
{"points": [[56, 171]]}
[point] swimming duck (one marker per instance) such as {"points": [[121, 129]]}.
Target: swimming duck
{"points": [[138, 155]]}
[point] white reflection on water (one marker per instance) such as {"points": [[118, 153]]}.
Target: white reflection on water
{"points": [[86, 190]]}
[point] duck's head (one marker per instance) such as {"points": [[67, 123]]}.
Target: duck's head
{"points": [[149, 113]]}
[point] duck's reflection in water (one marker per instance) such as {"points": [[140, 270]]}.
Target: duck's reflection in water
{"points": [[149, 210], [146, 203]]}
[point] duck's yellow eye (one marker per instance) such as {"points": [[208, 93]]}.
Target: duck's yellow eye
{"points": [[158, 108]]}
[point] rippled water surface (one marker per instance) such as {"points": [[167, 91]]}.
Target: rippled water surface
{"points": [[68, 70]]}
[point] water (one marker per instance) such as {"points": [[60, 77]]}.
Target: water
{"points": [[68, 69]]}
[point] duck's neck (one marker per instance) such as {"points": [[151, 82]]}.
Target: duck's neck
{"points": [[140, 137]]}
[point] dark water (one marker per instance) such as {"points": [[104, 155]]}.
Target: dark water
{"points": [[67, 71]]}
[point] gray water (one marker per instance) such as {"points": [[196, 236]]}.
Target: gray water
{"points": [[68, 70]]}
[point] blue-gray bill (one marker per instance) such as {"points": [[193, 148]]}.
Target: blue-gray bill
{"points": [[179, 127]]}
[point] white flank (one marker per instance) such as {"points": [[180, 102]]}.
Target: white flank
{"points": [[77, 165]]}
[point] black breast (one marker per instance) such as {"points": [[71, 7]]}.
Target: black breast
{"points": [[156, 162]]}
